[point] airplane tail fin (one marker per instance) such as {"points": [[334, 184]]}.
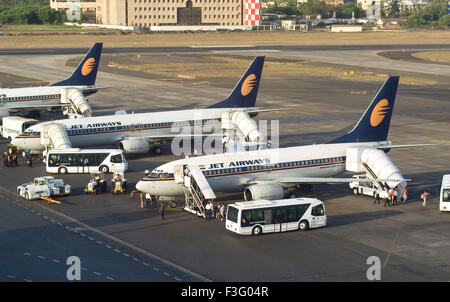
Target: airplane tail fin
{"points": [[245, 92], [86, 72], [374, 124]]}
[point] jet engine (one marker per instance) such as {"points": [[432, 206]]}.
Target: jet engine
{"points": [[263, 191], [134, 146]]}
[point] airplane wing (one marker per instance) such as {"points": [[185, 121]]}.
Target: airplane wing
{"points": [[291, 181], [387, 147], [168, 137]]}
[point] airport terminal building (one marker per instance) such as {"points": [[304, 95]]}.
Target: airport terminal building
{"points": [[146, 13]]}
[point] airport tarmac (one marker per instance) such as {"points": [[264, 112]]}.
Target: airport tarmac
{"points": [[116, 240]]}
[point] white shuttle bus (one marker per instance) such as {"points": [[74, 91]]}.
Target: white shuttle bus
{"points": [[444, 202], [268, 216], [75, 160]]}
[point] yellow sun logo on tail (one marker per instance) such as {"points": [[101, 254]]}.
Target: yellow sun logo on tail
{"points": [[379, 112], [88, 66], [248, 85]]}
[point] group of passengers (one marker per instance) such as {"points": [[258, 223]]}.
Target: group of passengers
{"points": [[214, 211], [393, 197]]}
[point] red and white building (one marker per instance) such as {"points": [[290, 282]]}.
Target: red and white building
{"points": [[252, 12]]}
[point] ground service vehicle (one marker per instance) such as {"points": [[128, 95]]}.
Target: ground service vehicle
{"points": [[444, 200], [45, 186], [75, 160], [97, 184], [367, 188], [268, 216], [118, 183]]}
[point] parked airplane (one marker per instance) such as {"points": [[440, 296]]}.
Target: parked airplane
{"points": [[272, 173], [135, 133], [35, 99]]}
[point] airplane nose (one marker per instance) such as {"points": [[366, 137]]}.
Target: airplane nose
{"points": [[140, 186]]}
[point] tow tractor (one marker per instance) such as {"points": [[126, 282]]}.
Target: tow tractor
{"points": [[43, 187], [118, 183], [97, 184]]}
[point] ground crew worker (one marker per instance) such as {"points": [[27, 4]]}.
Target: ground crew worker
{"points": [[142, 200], [395, 197], [162, 210], [392, 193], [222, 212], [14, 158], [377, 198], [5, 157], [404, 195], [147, 200], [132, 194], [154, 201], [424, 196], [29, 161]]}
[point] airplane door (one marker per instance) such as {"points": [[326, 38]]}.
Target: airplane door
{"points": [[280, 219]]}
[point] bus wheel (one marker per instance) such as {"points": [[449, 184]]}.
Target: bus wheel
{"points": [[104, 169], [257, 231], [62, 170], [173, 204], [303, 225], [355, 191], [27, 196]]}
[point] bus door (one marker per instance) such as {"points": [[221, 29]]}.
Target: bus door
{"points": [[82, 164], [280, 219]]}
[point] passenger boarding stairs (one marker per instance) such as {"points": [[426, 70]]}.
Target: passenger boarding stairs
{"points": [[196, 188], [240, 132], [378, 167]]}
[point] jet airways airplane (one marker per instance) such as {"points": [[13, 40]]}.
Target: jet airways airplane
{"points": [[136, 133], [274, 173], [35, 99]]}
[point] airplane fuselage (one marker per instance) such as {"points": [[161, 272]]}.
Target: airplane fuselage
{"points": [[111, 129], [232, 172]]}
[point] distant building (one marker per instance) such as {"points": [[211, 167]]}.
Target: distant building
{"points": [[87, 7], [146, 13]]}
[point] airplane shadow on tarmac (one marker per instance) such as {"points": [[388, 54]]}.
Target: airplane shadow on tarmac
{"points": [[344, 219]]}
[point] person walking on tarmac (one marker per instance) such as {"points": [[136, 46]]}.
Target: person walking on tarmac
{"points": [[404, 195], [162, 210], [424, 196], [392, 194], [377, 198]]}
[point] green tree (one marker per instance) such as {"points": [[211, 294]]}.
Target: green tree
{"points": [[415, 19], [444, 20], [316, 7], [345, 10], [393, 9]]}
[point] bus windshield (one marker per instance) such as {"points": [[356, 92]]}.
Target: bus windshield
{"points": [[446, 195]]}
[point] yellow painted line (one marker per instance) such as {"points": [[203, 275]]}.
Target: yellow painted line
{"points": [[440, 141], [200, 83], [129, 245]]}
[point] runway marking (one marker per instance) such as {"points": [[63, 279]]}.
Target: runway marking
{"points": [[42, 257], [27, 280], [11, 277], [28, 254], [200, 83], [84, 269], [136, 259], [98, 274], [129, 245], [117, 251], [156, 269], [391, 247], [107, 246], [99, 242], [126, 255], [178, 279], [90, 238], [57, 261], [146, 264], [167, 274], [84, 235], [45, 217], [109, 278]]}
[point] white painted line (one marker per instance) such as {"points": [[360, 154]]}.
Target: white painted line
{"points": [[90, 238], [136, 259], [126, 255], [107, 246], [42, 257], [53, 220], [146, 264], [109, 278], [84, 269], [178, 279], [167, 274], [28, 254], [98, 274], [57, 261], [59, 223], [156, 269], [12, 277], [84, 235], [223, 46], [117, 251], [26, 280], [45, 217], [99, 242]]}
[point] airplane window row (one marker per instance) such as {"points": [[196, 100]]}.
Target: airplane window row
{"points": [[276, 166], [136, 126], [31, 97]]}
